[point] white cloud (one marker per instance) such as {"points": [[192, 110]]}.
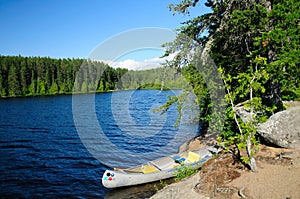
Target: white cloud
{"points": [[131, 64]]}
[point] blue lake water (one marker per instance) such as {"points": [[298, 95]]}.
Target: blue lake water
{"points": [[59, 146]]}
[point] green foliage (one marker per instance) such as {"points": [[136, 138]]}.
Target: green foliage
{"points": [[185, 102], [255, 44], [31, 76], [266, 29], [84, 87], [163, 183], [264, 80], [101, 86], [280, 44], [153, 86], [241, 131], [54, 88], [195, 85], [185, 171], [13, 81], [159, 78]]}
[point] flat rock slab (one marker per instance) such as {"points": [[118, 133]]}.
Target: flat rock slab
{"points": [[182, 189]]}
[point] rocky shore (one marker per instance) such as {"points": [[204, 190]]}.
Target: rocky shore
{"points": [[278, 163], [222, 177]]}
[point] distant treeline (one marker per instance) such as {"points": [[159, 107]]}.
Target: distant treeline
{"points": [[30, 76]]}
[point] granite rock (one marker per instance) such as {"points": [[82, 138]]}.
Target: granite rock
{"points": [[282, 129]]}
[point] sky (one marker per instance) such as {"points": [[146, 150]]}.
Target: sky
{"points": [[74, 28]]}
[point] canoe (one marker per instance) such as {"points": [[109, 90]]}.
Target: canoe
{"points": [[156, 170]]}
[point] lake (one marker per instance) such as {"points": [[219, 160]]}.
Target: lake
{"points": [[59, 146]]}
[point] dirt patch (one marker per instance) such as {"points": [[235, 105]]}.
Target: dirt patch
{"points": [[216, 173], [278, 176], [224, 177]]}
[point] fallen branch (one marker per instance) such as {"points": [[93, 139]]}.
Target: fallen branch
{"points": [[240, 192]]}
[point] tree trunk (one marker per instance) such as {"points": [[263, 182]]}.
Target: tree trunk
{"points": [[252, 162]]}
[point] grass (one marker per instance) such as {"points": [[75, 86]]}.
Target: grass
{"points": [[162, 184], [185, 171]]}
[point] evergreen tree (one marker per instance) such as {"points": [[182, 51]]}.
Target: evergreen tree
{"points": [[14, 81], [255, 45]]}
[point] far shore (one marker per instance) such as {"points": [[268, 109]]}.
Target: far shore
{"points": [[80, 93]]}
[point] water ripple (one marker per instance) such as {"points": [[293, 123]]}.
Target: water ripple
{"points": [[42, 156]]}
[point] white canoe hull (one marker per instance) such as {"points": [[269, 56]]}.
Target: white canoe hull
{"points": [[128, 179], [167, 169]]}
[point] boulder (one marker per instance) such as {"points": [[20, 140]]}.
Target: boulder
{"points": [[282, 129], [243, 113]]}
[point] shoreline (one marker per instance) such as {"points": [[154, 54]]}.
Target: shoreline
{"points": [[79, 93], [221, 177]]}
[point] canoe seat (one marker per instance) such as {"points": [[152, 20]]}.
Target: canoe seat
{"points": [[164, 163], [149, 169], [193, 157]]}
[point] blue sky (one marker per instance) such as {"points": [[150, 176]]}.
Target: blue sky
{"points": [[73, 28]]}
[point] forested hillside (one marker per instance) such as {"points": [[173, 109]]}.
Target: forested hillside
{"points": [[30, 76]]}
